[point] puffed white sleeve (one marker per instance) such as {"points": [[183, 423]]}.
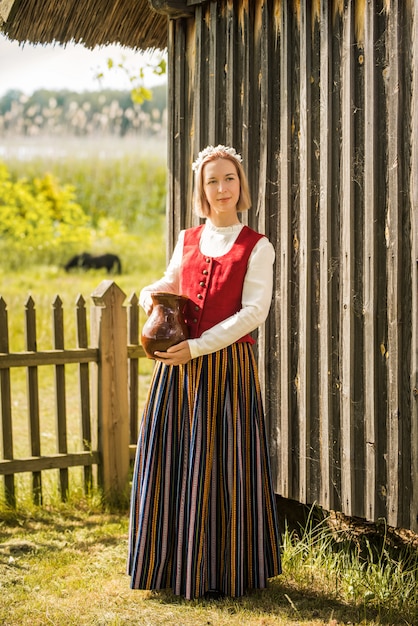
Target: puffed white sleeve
{"points": [[170, 282], [256, 300]]}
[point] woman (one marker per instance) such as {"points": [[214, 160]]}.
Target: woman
{"points": [[203, 518]]}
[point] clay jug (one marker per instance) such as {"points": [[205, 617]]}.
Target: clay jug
{"points": [[165, 326]]}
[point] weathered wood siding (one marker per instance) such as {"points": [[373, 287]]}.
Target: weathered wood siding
{"points": [[321, 99]]}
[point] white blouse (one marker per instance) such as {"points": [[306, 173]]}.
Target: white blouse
{"points": [[256, 293]]}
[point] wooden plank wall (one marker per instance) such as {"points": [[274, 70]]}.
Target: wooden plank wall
{"points": [[321, 99]]}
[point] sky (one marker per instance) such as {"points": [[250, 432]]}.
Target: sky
{"points": [[72, 67]]}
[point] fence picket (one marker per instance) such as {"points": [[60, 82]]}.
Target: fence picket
{"points": [[109, 333], [6, 405], [60, 401], [84, 382], [33, 398], [133, 336]]}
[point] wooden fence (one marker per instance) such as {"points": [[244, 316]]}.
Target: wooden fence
{"points": [[108, 416]]}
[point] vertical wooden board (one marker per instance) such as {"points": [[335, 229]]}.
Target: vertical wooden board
{"points": [[33, 397], [258, 212], [179, 202], [84, 385], [224, 23], [191, 218], [109, 329], [413, 523], [261, 123], [334, 269], [242, 66], [199, 82], [374, 272], [61, 418], [237, 88], [346, 262], [314, 456], [294, 206], [254, 103], [325, 300], [393, 269], [60, 400], [213, 76], [304, 254], [133, 378], [272, 226], [369, 268], [6, 405], [174, 207], [231, 74], [285, 442], [407, 286], [358, 211]]}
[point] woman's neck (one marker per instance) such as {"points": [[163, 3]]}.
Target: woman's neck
{"points": [[222, 221]]}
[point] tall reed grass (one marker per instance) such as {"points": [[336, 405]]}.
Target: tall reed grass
{"points": [[366, 570]]}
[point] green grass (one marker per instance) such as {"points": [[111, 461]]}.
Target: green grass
{"points": [[65, 565]]}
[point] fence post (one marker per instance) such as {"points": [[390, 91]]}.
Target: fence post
{"points": [[109, 334]]}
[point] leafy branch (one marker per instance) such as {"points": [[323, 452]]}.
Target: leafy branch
{"points": [[139, 92]]}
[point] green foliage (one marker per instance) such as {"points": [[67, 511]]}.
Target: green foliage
{"points": [[39, 217], [54, 208], [130, 189], [139, 92]]}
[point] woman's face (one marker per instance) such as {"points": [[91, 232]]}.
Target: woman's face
{"points": [[222, 188]]}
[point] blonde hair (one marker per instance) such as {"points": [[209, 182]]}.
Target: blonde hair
{"points": [[201, 205]]}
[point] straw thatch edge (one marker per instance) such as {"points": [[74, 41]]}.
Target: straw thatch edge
{"points": [[130, 23]]}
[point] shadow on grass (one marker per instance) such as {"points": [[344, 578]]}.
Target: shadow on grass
{"points": [[81, 529], [50, 530], [283, 600]]}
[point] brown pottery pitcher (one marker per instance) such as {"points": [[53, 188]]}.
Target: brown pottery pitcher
{"points": [[165, 326]]}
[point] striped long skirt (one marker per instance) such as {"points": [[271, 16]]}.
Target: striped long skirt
{"points": [[203, 514]]}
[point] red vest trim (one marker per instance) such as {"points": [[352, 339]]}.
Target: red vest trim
{"points": [[214, 284]]}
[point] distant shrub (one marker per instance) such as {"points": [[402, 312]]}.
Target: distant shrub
{"points": [[130, 188], [39, 218], [52, 209]]}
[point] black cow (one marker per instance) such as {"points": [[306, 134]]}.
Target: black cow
{"points": [[86, 261]]}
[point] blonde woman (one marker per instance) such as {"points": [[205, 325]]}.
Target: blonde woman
{"points": [[203, 516]]}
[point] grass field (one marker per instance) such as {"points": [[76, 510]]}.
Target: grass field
{"points": [[65, 565]]}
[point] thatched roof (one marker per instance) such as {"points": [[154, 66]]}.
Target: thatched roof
{"points": [[132, 23]]}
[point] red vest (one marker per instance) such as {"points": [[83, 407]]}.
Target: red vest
{"points": [[214, 284]]}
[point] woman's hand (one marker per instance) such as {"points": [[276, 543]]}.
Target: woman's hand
{"points": [[175, 355]]}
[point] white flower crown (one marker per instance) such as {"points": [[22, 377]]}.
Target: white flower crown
{"points": [[212, 150]]}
